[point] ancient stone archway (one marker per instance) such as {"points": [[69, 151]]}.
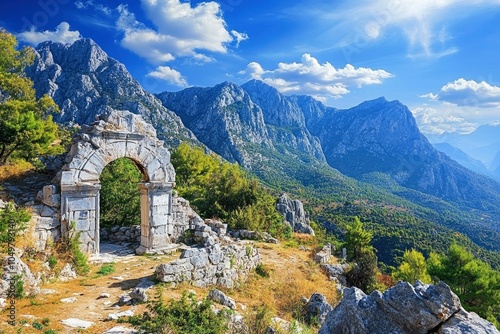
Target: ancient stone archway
{"points": [[117, 134]]}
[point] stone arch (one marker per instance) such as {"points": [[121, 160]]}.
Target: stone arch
{"points": [[117, 134]]}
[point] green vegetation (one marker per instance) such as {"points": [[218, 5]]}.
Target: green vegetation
{"points": [[120, 196], [473, 280], [12, 222], [262, 270], [77, 256], [186, 315], [412, 268], [26, 127], [363, 271], [106, 269], [219, 189]]}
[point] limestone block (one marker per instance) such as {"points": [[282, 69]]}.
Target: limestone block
{"points": [[85, 176], [82, 225], [158, 174], [50, 196], [67, 178], [46, 223], [81, 203], [132, 150], [152, 167]]}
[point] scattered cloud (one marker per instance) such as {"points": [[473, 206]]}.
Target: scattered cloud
{"points": [[62, 34], [309, 77], [180, 30], [92, 4], [239, 36], [463, 92], [170, 75]]}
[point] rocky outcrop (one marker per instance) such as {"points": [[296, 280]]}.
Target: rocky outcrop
{"points": [[317, 308], [14, 269], [324, 255], [220, 298], [294, 214], [404, 309], [218, 264], [284, 119]]}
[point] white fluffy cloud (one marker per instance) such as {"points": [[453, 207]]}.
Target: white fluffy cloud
{"points": [[180, 30], [312, 78], [463, 92], [62, 34], [443, 119], [170, 75]]}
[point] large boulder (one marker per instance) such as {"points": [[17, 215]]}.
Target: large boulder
{"points": [[404, 309]]}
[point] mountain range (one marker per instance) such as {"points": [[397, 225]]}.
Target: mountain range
{"points": [[373, 153]]}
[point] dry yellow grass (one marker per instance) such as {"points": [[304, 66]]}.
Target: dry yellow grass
{"points": [[14, 170]]}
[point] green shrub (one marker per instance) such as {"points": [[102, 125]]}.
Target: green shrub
{"points": [[216, 188], [106, 269], [37, 325], [262, 270], [52, 261], [12, 222], [79, 258], [19, 286], [181, 316]]}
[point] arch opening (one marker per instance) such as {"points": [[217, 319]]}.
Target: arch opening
{"points": [[120, 205]]}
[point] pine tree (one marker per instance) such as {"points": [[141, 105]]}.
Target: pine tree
{"points": [[412, 268], [26, 127]]}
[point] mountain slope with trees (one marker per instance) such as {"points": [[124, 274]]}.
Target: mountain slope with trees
{"points": [[277, 142]]}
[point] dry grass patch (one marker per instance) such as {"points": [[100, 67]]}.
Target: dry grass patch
{"points": [[14, 170], [292, 275]]}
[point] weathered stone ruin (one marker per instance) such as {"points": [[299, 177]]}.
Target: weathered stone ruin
{"points": [[70, 206]]}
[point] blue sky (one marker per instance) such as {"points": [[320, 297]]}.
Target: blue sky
{"points": [[439, 57]]}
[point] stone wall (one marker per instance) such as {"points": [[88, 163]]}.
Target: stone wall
{"points": [[121, 234], [213, 265]]}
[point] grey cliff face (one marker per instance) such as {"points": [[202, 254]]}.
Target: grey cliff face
{"points": [[223, 117], [83, 80], [404, 309], [284, 119]]}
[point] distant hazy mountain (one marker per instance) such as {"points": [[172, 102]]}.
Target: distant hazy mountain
{"points": [[82, 79], [464, 159], [482, 144]]}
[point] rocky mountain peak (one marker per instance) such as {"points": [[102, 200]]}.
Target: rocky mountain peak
{"points": [[278, 110], [83, 80], [91, 57]]}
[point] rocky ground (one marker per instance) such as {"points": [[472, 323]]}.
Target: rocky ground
{"points": [[293, 274]]}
